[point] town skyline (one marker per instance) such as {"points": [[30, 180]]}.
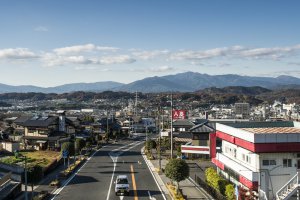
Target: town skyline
{"points": [[59, 42]]}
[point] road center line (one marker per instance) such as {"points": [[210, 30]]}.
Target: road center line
{"points": [[111, 181], [133, 183]]}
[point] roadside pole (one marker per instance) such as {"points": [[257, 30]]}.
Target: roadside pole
{"points": [[159, 143], [171, 125], [26, 194]]}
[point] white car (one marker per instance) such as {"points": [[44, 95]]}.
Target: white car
{"points": [[122, 185]]}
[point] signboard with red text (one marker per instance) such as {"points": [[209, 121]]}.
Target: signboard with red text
{"points": [[179, 114]]}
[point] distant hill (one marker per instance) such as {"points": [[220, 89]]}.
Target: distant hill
{"points": [[153, 84], [182, 82], [91, 87], [256, 90]]}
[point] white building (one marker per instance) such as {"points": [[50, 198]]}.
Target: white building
{"points": [[262, 156]]}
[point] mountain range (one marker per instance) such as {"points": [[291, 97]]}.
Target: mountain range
{"points": [[182, 82]]}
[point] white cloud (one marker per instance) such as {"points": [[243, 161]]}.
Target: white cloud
{"points": [[82, 48], [145, 55], [237, 52], [107, 48], [41, 29], [120, 59], [74, 49], [161, 69], [17, 53], [51, 59]]}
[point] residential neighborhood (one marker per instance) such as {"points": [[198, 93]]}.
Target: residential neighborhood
{"points": [[229, 137]]}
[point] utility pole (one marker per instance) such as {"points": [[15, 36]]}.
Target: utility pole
{"points": [[159, 143], [171, 125], [107, 125], [26, 194]]}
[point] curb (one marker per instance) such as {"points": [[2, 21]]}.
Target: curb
{"points": [[161, 185]]}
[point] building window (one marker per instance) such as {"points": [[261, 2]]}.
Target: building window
{"points": [[287, 162], [268, 162], [248, 159]]}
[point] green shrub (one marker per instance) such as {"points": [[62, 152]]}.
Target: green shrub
{"points": [[216, 181], [229, 192]]}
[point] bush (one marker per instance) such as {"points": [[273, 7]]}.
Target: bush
{"points": [[216, 181], [229, 192]]}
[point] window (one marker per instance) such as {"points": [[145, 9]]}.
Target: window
{"points": [[248, 159], [268, 162], [287, 162]]}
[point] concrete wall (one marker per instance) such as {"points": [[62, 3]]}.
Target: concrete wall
{"points": [[10, 146]]}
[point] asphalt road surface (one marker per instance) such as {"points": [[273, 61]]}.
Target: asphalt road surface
{"points": [[95, 179]]}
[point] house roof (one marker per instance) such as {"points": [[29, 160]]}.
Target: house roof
{"points": [[273, 130], [260, 124], [183, 140], [204, 127], [183, 122], [22, 119], [40, 121]]}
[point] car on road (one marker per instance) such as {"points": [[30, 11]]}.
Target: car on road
{"points": [[122, 185]]}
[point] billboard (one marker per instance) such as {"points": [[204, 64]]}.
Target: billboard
{"points": [[179, 114]]}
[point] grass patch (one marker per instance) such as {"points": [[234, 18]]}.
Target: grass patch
{"points": [[173, 191], [42, 158]]}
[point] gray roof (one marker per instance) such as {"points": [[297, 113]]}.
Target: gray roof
{"points": [[40, 121], [183, 122], [261, 124], [204, 127], [22, 119]]}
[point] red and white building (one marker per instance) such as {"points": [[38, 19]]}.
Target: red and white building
{"points": [[262, 156]]}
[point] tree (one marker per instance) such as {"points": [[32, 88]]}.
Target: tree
{"points": [[177, 170], [80, 143], [35, 174], [69, 147], [178, 151], [150, 144]]}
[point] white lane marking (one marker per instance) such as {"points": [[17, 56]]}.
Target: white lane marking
{"points": [[163, 195], [121, 197], [57, 191], [114, 157], [111, 181], [150, 197]]}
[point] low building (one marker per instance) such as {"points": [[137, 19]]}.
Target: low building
{"points": [[9, 146], [200, 140], [48, 132], [261, 156]]}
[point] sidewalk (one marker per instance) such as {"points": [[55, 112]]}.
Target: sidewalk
{"points": [[44, 183], [189, 188]]}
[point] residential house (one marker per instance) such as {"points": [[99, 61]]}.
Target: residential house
{"points": [[200, 140], [48, 132]]}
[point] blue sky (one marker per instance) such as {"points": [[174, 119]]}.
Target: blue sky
{"points": [[53, 42]]}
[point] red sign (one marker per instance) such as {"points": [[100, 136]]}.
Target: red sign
{"points": [[179, 114]]}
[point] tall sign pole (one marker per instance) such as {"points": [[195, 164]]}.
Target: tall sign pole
{"points": [[171, 125], [159, 138]]}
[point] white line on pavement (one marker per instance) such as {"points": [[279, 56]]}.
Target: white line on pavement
{"points": [[163, 195], [150, 197], [111, 181], [56, 192]]}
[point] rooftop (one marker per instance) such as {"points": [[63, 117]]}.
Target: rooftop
{"points": [[273, 130]]}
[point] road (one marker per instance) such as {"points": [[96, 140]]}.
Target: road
{"points": [[95, 179]]}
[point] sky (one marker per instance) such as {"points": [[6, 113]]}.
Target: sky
{"points": [[53, 42]]}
